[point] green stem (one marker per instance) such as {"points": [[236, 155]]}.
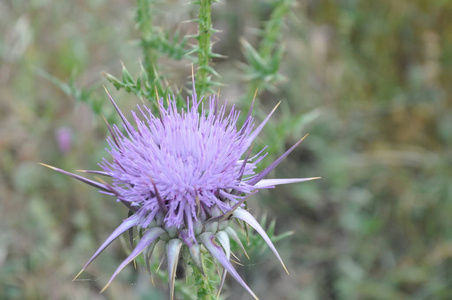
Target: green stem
{"points": [[272, 31], [150, 54], [204, 46], [205, 289], [144, 20]]}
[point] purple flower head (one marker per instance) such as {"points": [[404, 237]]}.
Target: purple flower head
{"points": [[63, 137], [181, 165], [184, 174]]}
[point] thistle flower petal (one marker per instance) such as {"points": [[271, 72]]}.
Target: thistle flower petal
{"points": [[126, 123], [261, 126], [275, 163]]}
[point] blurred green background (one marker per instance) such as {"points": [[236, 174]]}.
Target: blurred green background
{"points": [[369, 80]]}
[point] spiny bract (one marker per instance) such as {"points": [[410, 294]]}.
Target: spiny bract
{"points": [[184, 174]]}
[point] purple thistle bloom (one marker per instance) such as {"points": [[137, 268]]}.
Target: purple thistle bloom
{"points": [[63, 137], [185, 174]]}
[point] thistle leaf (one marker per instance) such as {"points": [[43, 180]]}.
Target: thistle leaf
{"points": [[172, 252], [150, 236], [269, 183], [245, 216], [195, 253], [223, 238], [95, 184], [126, 225], [148, 255], [95, 172], [232, 234]]}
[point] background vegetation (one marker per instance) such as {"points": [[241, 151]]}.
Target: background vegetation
{"points": [[369, 80]]}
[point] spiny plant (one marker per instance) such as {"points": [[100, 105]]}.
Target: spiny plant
{"points": [[184, 176], [185, 169]]}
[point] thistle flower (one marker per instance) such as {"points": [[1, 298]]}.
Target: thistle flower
{"points": [[185, 175]]}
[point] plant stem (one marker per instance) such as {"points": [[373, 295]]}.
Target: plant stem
{"points": [[204, 46], [272, 32], [150, 53], [144, 20], [205, 290]]}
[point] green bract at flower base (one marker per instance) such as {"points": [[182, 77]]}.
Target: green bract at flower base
{"points": [[184, 175]]}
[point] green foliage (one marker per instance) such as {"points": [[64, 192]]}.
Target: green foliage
{"points": [[205, 283], [263, 63], [141, 87], [71, 90]]}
